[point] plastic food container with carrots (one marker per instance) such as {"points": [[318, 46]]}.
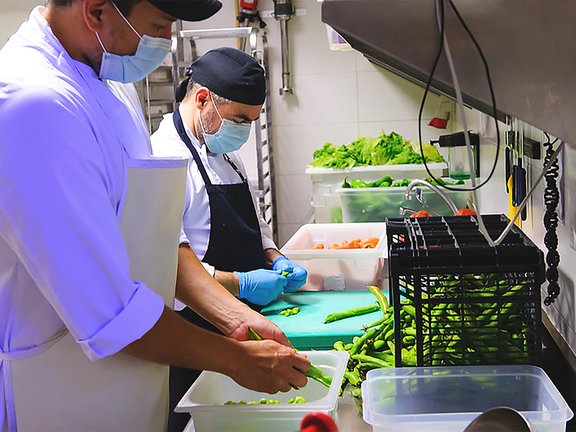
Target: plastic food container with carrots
{"points": [[338, 257]]}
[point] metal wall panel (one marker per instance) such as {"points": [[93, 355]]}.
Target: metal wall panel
{"points": [[529, 45]]}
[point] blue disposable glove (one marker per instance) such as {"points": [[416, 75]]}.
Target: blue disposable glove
{"points": [[297, 276], [261, 286]]}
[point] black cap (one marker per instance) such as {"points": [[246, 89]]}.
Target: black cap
{"points": [[188, 10], [229, 73]]}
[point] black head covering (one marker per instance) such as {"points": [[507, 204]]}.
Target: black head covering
{"points": [[229, 73], [188, 10]]}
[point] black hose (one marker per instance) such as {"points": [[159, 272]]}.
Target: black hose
{"points": [[551, 199]]}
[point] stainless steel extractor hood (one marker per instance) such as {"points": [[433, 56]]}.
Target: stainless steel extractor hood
{"points": [[530, 46]]}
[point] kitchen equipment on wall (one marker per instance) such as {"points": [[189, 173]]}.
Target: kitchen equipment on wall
{"points": [[248, 16], [283, 11], [457, 154]]}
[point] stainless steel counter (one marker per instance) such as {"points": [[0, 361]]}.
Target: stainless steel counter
{"points": [[349, 417]]}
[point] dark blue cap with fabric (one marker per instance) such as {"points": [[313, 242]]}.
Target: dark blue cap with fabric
{"points": [[229, 73], [188, 10]]}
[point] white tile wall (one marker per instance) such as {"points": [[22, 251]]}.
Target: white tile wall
{"points": [[11, 16], [319, 99], [294, 145], [293, 194], [385, 96]]}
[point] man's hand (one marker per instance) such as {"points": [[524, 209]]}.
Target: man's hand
{"points": [[262, 325], [269, 367], [261, 286], [297, 274]]}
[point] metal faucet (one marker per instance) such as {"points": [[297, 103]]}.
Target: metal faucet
{"points": [[408, 194]]}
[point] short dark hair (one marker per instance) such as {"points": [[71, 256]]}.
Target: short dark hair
{"points": [[124, 6]]}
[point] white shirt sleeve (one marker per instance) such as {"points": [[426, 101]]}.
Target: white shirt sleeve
{"points": [[62, 221]]}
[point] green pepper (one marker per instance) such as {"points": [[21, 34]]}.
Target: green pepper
{"points": [[345, 184], [357, 183]]}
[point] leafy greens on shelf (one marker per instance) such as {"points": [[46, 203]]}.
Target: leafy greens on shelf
{"points": [[391, 149]]}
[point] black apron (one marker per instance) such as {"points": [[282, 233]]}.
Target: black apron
{"points": [[235, 244]]}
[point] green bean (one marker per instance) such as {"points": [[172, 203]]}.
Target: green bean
{"points": [[318, 375], [372, 360], [297, 400], [253, 335], [350, 313], [290, 311], [313, 372], [381, 298], [339, 346], [358, 344], [353, 377]]}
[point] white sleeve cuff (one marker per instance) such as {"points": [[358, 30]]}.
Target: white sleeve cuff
{"points": [[209, 268], [132, 322]]}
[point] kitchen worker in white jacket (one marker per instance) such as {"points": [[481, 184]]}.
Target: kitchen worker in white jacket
{"points": [[220, 99], [82, 342]]}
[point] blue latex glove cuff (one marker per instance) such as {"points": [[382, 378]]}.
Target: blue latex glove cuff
{"points": [[277, 260]]}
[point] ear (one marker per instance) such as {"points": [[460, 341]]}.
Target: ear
{"points": [[93, 12], [201, 97]]}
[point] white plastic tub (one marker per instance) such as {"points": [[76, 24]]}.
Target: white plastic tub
{"points": [[339, 269], [447, 399], [205, 400]]}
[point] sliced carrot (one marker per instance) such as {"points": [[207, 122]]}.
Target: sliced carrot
{"points": [[319, 246]]}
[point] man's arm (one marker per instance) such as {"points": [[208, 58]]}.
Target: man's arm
{"points": [[270, 255], [262, 366], [201, 292]]}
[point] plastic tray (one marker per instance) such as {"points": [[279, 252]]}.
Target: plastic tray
{"points": [[339, 269], [447, 399], [205, 400], [326, 201], [376, 204]]}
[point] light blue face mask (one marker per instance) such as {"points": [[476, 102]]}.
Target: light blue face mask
{"points": [[230, 137], [150, 54]]}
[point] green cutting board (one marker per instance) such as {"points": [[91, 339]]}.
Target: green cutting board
{"points": [[306, 330]]}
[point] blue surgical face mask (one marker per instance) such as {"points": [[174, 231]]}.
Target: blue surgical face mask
{"points": [[150, 54], [230, 137]]}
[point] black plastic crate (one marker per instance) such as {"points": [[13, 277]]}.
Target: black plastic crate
{"points": [[466, 302]]}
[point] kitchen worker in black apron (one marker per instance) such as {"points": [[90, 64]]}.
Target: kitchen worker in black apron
{"points": [[221, 97]]}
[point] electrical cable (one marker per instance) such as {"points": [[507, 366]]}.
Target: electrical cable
{"points": [[551, 161], [551, 199], [443, 45]]}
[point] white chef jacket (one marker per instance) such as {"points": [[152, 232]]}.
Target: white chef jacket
{"points": [[196, 220], [64, 143]]}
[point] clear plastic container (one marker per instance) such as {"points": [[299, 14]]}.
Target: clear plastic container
{"points": [[447, 399], [376, 204], [206, 398], [326, 201], [339, 269]]}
